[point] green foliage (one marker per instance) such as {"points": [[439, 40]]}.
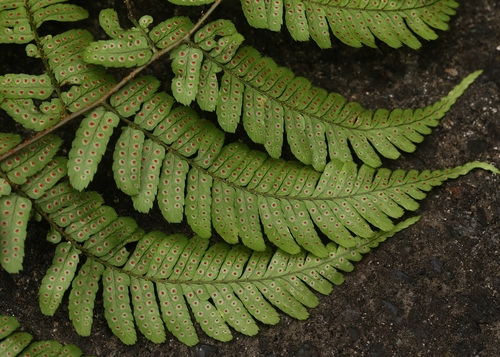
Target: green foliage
{"points": [[21, 18], [89, 146], [14, 343], [301, 224], [355, 23]]}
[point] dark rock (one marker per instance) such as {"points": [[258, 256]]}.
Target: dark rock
{"points": [[435, 264]]}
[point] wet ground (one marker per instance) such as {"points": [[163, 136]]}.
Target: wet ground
{"points": [[432, 290]]}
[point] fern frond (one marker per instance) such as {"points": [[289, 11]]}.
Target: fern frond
{"points": [[355, 23], [272, 103], [32, 116], [18, 343], [64, 53], [223, 286], [167, 276], [58, 278], [31, 159]]}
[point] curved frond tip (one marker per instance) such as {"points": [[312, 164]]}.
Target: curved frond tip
{"points": [[274, 105]]}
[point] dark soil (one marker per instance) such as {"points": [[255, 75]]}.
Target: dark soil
{"points": [[433, 289]]}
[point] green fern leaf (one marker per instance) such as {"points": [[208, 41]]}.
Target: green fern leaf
{"points": [[91, 224], [15, 215], [146, 310], [89, 146], [8, 324], [224, 287], [14, 343], [89, 91], [130, 98], [46, 178], [18, 86], [289, 199], [19, 33], [217, 279], [60, 196], [83, 294], [119, 53], [8, 141], [235, 189], [76, 208], [220, 41], [173, 182], [17, 17], [5, 188], [128, 48], [127, 159], [198, 202], [28, 161], [110, 236], [354, 23], [229, 103], [58, 12], [48, 347], [58, 277], [152, 158], [168, 32], [64, 52], [117, 305], [208, 88], [31, 116], [108, 19], [271, 101], [154, 111], [186, 63]]}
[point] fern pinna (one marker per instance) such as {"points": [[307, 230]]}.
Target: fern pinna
{"points": [[319, 213]]}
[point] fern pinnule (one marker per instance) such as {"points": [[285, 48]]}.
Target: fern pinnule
{"points": [[13, 343], [89, 146]]}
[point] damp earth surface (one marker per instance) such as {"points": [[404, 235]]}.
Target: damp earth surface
{"points": [[432, 289]]}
